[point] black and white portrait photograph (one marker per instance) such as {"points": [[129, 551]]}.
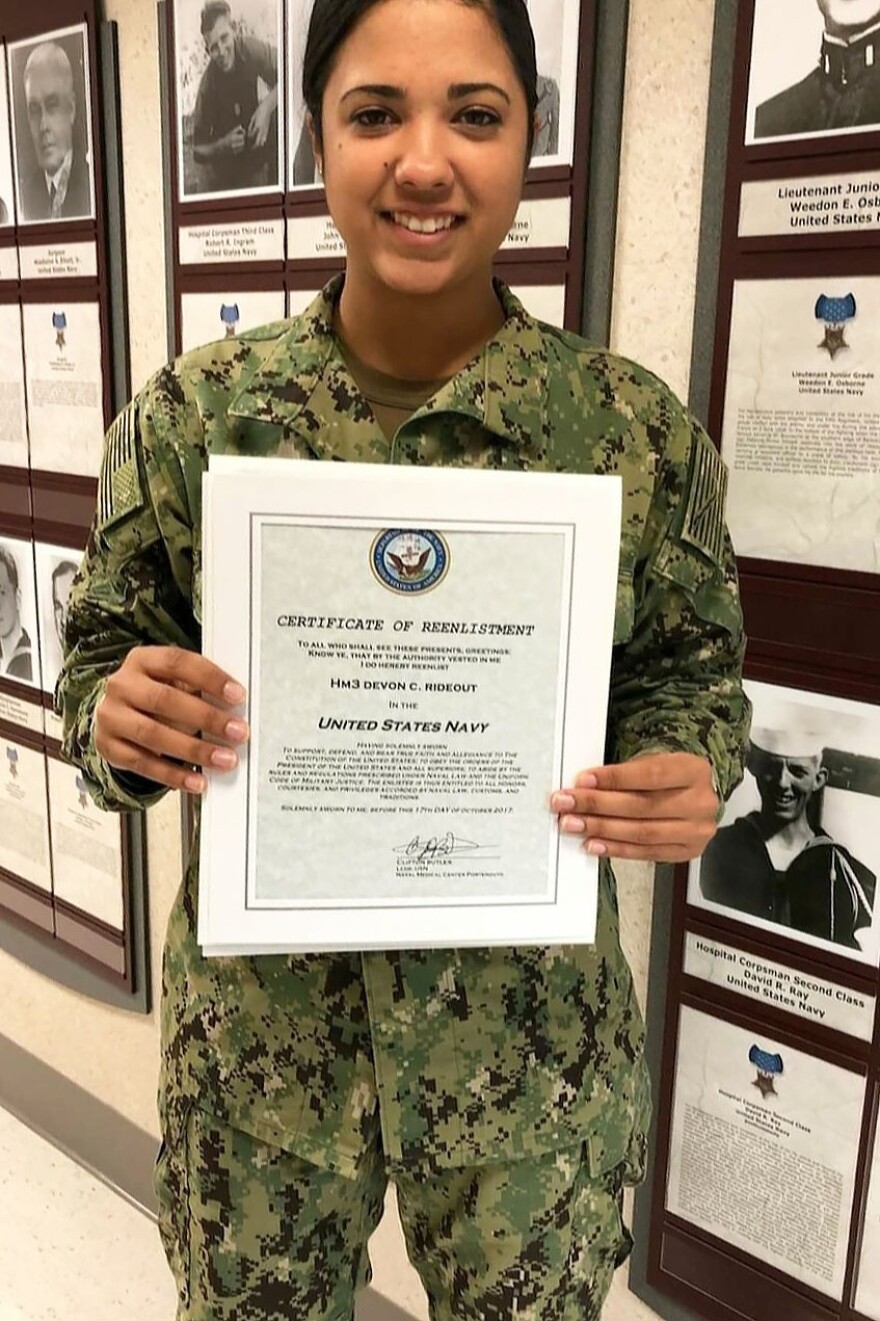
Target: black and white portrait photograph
{"points": [[798, 849], [301, 169], [19, 658], [56, 569], [556, 25], [52, 127], [7, 212], [815, 69], [229, 66]]}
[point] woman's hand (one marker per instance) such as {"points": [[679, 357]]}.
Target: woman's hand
{"points": [[658, 808], [153, 713]]}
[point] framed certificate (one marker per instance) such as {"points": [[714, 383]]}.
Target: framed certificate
{"points": [[764, 1146], [420, 681]]}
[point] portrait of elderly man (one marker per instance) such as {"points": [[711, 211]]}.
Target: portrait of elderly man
{"points": [[53, 169], [16, 649], [843, 90], [777, 863], [234, 127]]}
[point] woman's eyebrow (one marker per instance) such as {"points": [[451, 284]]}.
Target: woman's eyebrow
{"points": [[384, 90], [457, 91]]}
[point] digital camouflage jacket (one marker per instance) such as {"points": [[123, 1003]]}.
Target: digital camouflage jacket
{"points": [[473, 1055]]}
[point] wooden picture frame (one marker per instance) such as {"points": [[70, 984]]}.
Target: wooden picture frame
{"points": [[812, 628], [72, 262]]}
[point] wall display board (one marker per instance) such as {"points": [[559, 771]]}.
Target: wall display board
{"points": [[64, 874], [247, 208], [765, 1189]]}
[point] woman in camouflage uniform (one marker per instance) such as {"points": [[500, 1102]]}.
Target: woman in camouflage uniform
{"points": [[503, 1090]]}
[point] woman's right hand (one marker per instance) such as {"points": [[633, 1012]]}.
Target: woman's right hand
{"points": [[155, 710]]}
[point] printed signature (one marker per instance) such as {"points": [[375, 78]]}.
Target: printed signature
{"points": [[439, 846]]}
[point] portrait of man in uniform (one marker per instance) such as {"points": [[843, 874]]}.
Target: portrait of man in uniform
{"points": [[548, 22], [779, 863], [228, 89], [16, 648], [302, 170], [51, 123], [56, 568], [838, 89], [6, 211], [63, 575]]}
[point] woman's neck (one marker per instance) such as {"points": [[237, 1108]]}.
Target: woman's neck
{"points": [[417, 337]]}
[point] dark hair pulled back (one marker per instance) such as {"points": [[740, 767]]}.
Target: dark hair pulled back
{"points": [[212, 12], [333, 21]]}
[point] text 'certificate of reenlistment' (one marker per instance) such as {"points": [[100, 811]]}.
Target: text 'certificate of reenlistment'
{"points": [[427, 656]]}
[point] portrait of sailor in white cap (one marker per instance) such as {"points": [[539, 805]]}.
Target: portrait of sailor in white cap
{"points": [[777, 863]]}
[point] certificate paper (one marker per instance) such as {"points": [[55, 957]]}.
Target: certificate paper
{"points": [[427, 657], [763, 1148]]}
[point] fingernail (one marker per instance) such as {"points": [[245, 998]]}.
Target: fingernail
{"points": [[224, 759], [563, 803], [234, 694], [574, 825], [597, 848], [194, 784], [237, 731], [588, 781]]}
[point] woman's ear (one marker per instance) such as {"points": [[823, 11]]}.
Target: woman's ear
{"points": [[316, 146]]}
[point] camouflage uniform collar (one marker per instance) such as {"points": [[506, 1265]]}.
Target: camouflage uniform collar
{"points": [[504, 387]]}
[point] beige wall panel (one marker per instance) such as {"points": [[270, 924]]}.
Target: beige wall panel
{"points": [[110, 1053], [113, 1054], [664, 132], [144, 198]]}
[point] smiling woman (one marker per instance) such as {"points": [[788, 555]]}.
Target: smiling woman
{"points": [[423, 175], [505, 1090]]}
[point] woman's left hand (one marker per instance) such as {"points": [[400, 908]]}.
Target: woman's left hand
{"points": [[661, 807]]}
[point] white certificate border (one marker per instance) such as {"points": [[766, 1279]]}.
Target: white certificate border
{"points": [[405, 522], [592, 502]]}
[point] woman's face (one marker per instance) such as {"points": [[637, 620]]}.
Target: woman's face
{"points": [[425, 135]]}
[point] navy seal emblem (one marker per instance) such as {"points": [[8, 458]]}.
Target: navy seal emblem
{"points": [[409, 561]]}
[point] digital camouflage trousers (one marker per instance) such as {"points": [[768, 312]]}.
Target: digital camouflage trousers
{"points": [[253, 1233]]}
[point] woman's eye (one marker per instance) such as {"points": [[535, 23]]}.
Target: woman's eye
{"points": [[372, 118], [479, 118]]}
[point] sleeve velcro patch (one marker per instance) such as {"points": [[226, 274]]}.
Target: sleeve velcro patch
{"points": [[119, 487], [707, 495]]}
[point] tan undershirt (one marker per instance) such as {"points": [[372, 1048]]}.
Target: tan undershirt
{"points": [[393, 401]]}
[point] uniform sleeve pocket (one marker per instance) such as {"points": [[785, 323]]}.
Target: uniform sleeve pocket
{"points": [[703, 582]]}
